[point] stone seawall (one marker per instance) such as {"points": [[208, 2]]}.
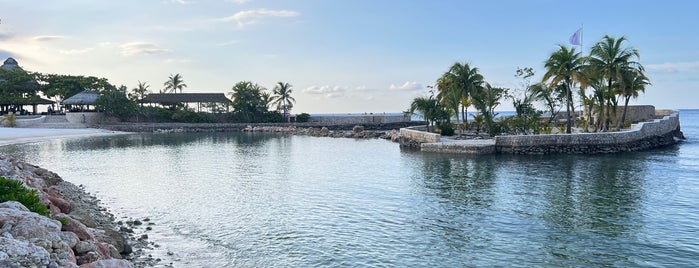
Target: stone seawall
{"points": [[646, 135], [643, 136], [359, 119], [236, 127], [413, 137]]}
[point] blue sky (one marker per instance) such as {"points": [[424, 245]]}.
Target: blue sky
{"points": [[342, 55]]}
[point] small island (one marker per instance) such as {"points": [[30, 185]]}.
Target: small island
{"points": [[609, 77]]}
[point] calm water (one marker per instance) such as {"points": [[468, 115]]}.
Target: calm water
{"points": [[232, 199]]}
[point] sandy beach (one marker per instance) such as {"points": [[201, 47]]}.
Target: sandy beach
{"points": [[29, 135]]}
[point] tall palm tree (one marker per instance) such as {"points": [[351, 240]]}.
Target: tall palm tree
{"points": [[282, 98], [466, 79], [610, 58], [633, 81], [174, 83], [565, 66], [430, 108], [448, 94], [140, 91]]}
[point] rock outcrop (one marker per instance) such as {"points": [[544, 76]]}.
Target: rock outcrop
{"points": [[79, 232]]}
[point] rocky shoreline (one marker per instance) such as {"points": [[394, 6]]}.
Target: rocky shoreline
{"points": [[357, 132], [79, 233]]}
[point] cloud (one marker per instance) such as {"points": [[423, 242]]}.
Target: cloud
{"points": [[240, 2], [181, 2], [136, 48], [47, 38], [177, 61], [327, 91], [247, 17], [674, 67], [75, 51], [408, 85]]}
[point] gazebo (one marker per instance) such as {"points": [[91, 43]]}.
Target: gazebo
{"points": [[87, 97], [184, 98], [19, 101]]}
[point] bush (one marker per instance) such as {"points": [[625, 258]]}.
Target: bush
{"points": [[10, 120], [446, 129], [187, 116], [304, 117], [13, 190]]}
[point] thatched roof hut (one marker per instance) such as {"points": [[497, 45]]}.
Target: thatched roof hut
{"points": [[86, 97]]}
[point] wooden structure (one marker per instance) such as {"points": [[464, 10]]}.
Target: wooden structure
{"points": [[170, 99]]}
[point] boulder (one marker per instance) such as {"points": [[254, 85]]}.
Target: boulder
{"points": [[358, 129], [16, 253], [111, 263], [72, 225]]}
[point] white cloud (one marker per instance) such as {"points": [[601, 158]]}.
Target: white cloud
{"points": [[45, 38], [674, 67], [240, 2], [176, 61], [408, 85], [247, 17], [136, 48], [75, 51], [326, 91]]}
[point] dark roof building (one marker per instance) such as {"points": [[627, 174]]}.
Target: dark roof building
{"points": [[176, 98], [185, 98]]}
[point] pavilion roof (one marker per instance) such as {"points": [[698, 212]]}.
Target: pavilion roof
{"points": [[86, 97], [174, 98]]}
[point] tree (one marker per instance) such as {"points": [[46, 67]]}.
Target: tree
{"points": [[565, 66], [17, 86], [485, 99], [609, 58], [448, 94], [61, 87], [282, 98], [430, 108], [114, 102], [465, 79], [633, 81], [140, 91], [248, 103], [174, 83]]}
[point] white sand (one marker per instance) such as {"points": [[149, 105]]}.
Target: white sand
{"points": [[30, 135]]}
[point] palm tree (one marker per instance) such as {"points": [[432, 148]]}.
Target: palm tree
{"points": [[448, 94], [633, 81], [266, 98], [609, 58], [565, 66], [282, 98], [465, 80], [430, 108], [140, 91], [485, 99], [174, 83]]}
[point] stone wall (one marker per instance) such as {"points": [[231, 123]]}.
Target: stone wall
{"points": [[634, 113], [414, 136], [642, 136], [359, 119], [28, 121], [90, 118]]}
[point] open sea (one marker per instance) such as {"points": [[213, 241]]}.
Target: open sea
{"points": [[265, 200]]}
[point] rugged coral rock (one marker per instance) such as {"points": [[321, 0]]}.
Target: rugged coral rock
{"points": [[78, 234]]}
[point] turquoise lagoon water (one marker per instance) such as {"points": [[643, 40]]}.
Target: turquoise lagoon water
{"points": [[256, 200]]}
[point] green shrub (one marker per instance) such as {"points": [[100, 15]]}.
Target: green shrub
{"points": [[13, 190], [187, 116], [9, 119], [446, 129], [304, 117]]}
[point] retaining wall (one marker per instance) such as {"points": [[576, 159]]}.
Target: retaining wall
{"points": [[414, 136], [359, 119], [642, 136]]}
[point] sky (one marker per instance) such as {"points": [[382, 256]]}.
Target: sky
{"points": [[343, 56]]}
